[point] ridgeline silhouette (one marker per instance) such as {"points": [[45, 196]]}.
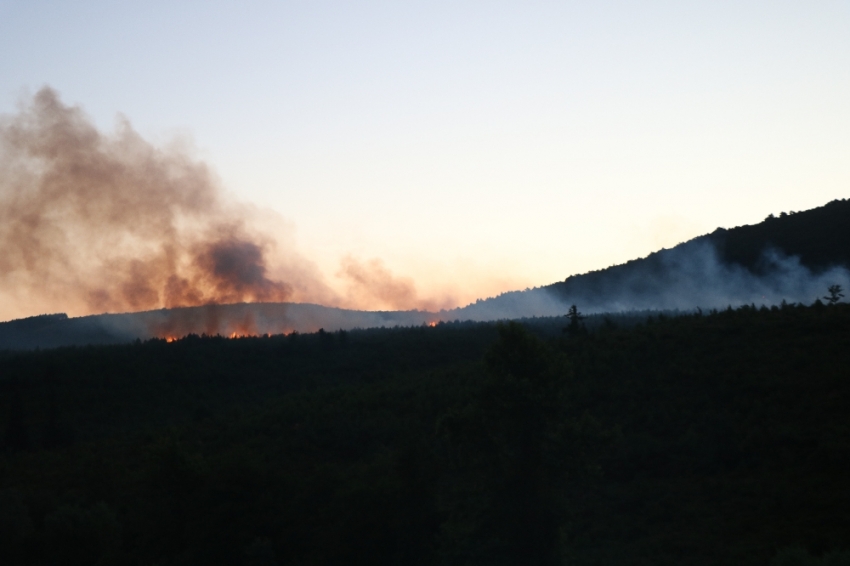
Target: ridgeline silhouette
{"points": [[793, 257]]}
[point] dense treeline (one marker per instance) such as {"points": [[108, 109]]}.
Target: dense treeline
{"points": [[701, 439]]}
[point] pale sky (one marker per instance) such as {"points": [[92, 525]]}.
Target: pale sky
{"points": [[476, 147]]}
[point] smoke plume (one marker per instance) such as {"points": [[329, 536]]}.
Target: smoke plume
{"points": [[92, 222], [371, 283]]}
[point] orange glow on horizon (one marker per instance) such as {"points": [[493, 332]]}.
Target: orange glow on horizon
{"points": [[230, 336]]}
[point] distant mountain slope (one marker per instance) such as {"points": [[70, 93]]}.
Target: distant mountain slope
{"points": [[792, 257], [820, 237]]}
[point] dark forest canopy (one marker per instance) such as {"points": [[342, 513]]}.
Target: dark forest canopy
{"points": [[698, 439]]}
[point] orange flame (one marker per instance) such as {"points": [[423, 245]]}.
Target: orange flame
{"points": [[228, 321]]}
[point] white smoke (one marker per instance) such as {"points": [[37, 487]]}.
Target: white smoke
{"points": [[683, 278]]}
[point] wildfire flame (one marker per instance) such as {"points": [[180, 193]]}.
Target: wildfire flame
{"points": [[233, 335], [215, 320]]}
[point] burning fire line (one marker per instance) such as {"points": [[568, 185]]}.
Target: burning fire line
{"points": [[232, 336]]}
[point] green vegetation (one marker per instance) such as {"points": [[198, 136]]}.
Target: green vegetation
{"points": [[698, 439]]}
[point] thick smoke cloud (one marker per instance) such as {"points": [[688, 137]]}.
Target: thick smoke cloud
{"points": [[92, 222]]}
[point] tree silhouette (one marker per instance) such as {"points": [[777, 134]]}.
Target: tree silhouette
{"points": [[835, 294], [575, 317], [17, 436], [501, 491], [56, 433]]}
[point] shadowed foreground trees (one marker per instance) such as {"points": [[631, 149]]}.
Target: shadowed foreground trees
{"points": [[509, 453], [16, 438], [703, 440]]}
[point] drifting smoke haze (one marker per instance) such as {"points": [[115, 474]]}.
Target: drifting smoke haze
{"points": [[683, 278], [692, 275], [372, 283]]}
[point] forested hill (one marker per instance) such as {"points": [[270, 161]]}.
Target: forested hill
{"points": [[793, 257], [819, 238]]}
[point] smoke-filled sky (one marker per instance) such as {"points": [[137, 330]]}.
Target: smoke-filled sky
{"points": [[405, 154]]}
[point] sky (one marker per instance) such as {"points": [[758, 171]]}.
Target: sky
{"points": [[470, 147]]}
